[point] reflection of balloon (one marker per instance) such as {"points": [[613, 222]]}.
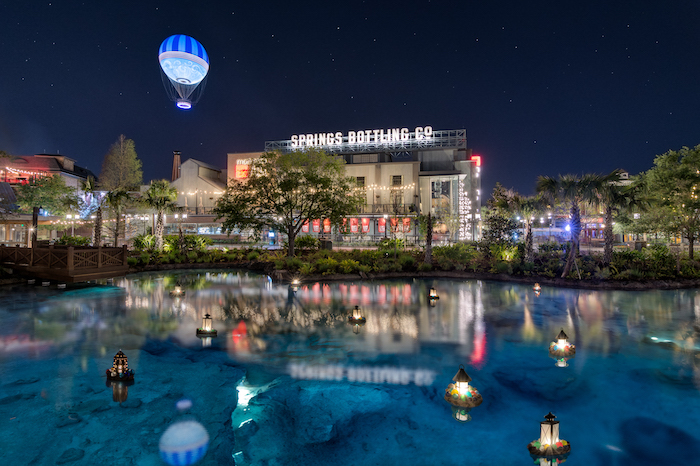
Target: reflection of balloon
{"points": [[184, 443], [185, 65]]}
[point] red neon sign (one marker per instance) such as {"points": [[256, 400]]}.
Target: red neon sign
{"points": [[476, 159]]}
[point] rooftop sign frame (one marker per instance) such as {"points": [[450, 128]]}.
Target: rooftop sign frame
{"points": [[374, 140]]}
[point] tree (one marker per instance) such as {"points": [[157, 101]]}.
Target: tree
{"points": [[574, 191], [673, 185], [160, 196], [429, 240], [613, 197], [94, 204], [121, 167], [48, 192], [118, 201], [284, 191], [528, 208]]}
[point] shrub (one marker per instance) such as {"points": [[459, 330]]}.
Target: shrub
{"points": [[67, 240], [253, 255], [406, 261], [144, 242], [348, 266], [306, 242], [424, 267], [306, 268], [144, 258], [132, 261], [192, 256], [327, 266]]}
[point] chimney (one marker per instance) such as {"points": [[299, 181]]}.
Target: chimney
{"points": [[176, 165]]}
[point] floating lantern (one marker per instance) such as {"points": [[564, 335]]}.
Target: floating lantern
{"points": [[177, 292], [295, 285], [549, 445], [537, 289], [462, 396], [357, 320], [185, 442], [562, 350], [120, 368], [31, 281], [45, 283], [433, 295], [206, 330]]}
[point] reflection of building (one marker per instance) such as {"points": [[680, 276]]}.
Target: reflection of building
{"points": [[403, 173]]}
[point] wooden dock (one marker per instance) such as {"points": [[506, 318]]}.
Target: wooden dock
{"points": [[68, 264]]}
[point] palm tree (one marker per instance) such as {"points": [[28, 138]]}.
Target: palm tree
{"points": [[160, 196], [575, 191], [526, 207], [118, 200], [614, 196]]}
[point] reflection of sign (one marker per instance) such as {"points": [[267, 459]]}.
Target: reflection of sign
{"points": [[367, 374], [326, 225], [305, 227], [365, 225], [242, 171], [381, 225], [316, 225], [354, 225]]}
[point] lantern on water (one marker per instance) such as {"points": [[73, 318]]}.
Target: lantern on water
{"points": [[561, 350], [537, 289], [120, 368], [549, 445], [177, 291], [462, 396], [295, 284], [184, 64], [433, 295], [357, 318], [206, 330]]}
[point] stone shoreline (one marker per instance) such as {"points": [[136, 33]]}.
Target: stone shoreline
{"points": [[283, 276]]}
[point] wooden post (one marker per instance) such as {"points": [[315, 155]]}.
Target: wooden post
{"points": [[99, 256], [124, 252], [69, 259], [50, 255]]}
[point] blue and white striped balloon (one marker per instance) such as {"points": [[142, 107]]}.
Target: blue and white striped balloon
{"points": [[183, 443], [185, 63]]}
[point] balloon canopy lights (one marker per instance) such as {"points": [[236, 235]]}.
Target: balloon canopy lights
{"points": [[184, 64], [462, 396]]}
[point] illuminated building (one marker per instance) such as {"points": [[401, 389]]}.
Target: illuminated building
{"points": [[403, 173]]}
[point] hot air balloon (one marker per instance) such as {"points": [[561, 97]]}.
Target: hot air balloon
{"points": [[184, 64]]}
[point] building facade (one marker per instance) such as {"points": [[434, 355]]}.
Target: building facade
{"points": [[404, 173]]}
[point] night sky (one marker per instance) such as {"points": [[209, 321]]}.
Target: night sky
{"points": [[542, 87]]}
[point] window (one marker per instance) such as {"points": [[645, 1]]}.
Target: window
{"points": [[396, 180], [360, 181]]}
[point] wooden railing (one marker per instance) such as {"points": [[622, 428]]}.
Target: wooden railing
{"points": [[65, 257]]}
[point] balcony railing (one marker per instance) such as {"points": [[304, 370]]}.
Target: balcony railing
{"points": [[390, 209]]}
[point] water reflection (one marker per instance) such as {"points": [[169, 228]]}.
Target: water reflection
{"points": [[276, 323]]}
